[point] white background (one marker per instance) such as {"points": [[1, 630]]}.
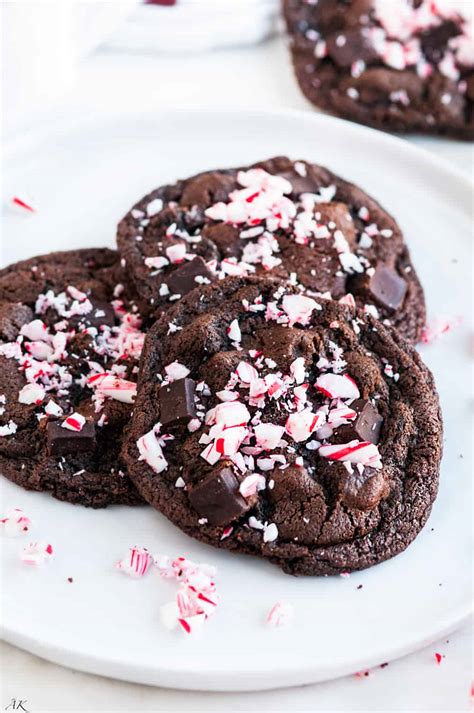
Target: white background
{"points": [[257, 77]]}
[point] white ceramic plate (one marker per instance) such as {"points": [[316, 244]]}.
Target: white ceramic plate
{"points": [[83, 178], [196, 26]]}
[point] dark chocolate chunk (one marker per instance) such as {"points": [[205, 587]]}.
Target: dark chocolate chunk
{"points": [[207, 188], [183, 279], [365, 427], [434, 41], [348, 46], [217, 497], [385, 287], [62, 441], [177, 402], [364, 491]]}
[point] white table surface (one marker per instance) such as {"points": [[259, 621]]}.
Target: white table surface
{"points": [[258, 77]]}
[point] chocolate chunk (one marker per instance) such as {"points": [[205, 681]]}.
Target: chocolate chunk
{"points": [[348, 46], [384, 286], [364, 491], [208, 188], [285, 344], [62, 441], [183, 279], [217, 497], [177, 402], [225, 237], [435, 40], [387, 287], [365, 427]]}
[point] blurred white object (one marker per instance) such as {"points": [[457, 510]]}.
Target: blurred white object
{"points": [[197, 25], [42, 44]]}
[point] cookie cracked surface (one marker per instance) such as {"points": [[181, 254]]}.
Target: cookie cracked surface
{"points": [[292, 219], [70, 339], [293, 429], [409, 69]]}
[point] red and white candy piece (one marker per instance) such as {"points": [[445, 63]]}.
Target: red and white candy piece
{"points": [[192, 624], [246, 372], [337, 386], [354, 452], [233, 331], [280, 615], [53, 409], [297, 370], [23, 203], [270, 532], [36, 331], [15, 523], [74, 422], [136, 563], [157, 263], [176, 370], [36, 553], [340, 415], [268, 435], [31, 394], [230, 441], [299, 308], [230, 413], [107, 384], [151, 452], [9, 429], [302, 424], [251, 484]]}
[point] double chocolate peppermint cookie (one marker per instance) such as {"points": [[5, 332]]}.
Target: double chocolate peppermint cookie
{"points": [[399, 66], [70, 340], [295, 429], [296, 220]]}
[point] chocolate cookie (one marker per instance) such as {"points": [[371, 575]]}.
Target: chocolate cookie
{"points": [[294, 219], [405, 69], [70, 340], [270, 423]]}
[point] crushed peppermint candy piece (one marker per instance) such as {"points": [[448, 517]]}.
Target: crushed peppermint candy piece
{"points": [[175, 371], [270, 532], [15, 523], [233, 331], [280, 615], [251, 484], [31, 394], [299, 308], [74, 422], [337, 386], [36, 553], [150, 451], [136, 563], [24, 204], [154, 207], [9, 429], [355, 452], [107, 384]]}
